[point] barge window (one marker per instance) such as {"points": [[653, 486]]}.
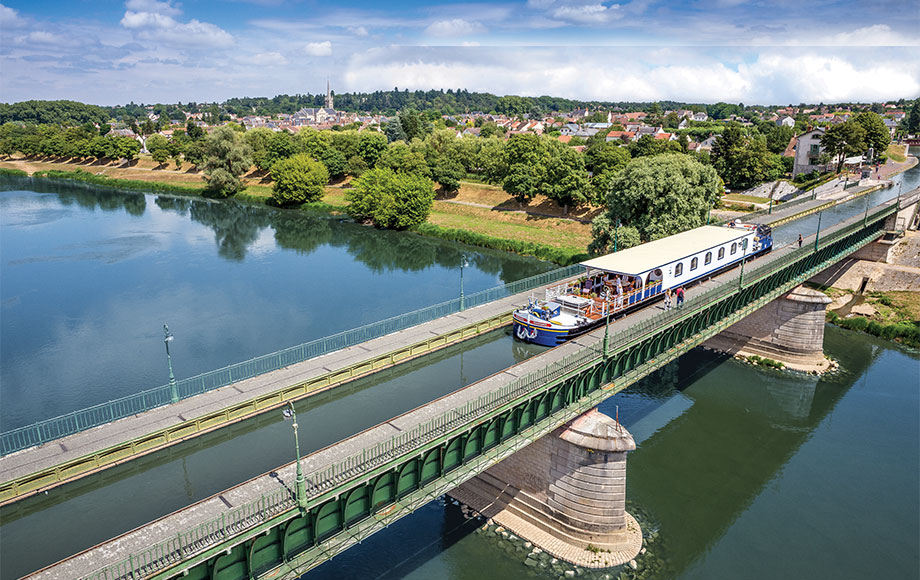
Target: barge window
{"points": [[721, 253], [708, 258], [734, 248], [694, 263], [678, 269]]}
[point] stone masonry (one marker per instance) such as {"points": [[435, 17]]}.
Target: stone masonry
{"points": [[565, 493], [790, 329]]}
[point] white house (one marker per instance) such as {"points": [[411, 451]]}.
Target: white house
{"points": [[808, 150]]}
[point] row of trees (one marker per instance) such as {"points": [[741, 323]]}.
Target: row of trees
{"points": [[82, 142]]}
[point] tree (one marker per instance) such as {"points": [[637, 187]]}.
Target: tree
{"points": [[913, 118], [743, 161], [298, 179], [659, 196], [394, 131], [158, 146], [402, 159], [604, 157], [645, 146], [448, 172], [371, 145], [526, 167], [194, 131], [389, 199], [226, 159], [413, 125], [334, 161], [607, 236], [844, 139], [566, 180], [877, 135], [258, 139]]}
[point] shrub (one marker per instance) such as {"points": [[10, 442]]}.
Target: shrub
{"points": [[389, 199], [298, 179]]}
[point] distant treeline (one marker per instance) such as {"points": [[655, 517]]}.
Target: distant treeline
{"points": [[449, 102]]}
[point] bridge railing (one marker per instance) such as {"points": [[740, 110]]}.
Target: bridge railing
{"points": [[208, 534], [100, 414]]}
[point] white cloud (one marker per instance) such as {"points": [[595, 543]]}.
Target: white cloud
{"points": [[9, 17], [632, 73], [586, 14], [318, 48], [454, 27], [153, 6], [875, 35], [358, 30], [266, 59], [161, 27]]}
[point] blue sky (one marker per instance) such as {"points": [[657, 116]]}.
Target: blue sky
{"points": [[768, 52]]}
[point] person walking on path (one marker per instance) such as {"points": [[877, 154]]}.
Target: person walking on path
{"points": [[667, 299], [800, 240], [680, 297]]}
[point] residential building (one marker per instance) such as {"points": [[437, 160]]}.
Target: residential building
{"points": [[808, 150]]}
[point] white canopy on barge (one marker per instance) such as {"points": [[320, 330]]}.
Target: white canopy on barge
{"points": [[650, 256]]}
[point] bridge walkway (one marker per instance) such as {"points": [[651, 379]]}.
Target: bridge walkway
{"points": [[207, 510]]}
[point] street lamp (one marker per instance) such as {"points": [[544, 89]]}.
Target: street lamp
{"points": [[289, 413], [463, 263], [173, 391]]}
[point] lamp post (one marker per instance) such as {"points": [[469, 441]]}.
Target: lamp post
{"points": [[173, 391], [607, 337], [463, 262], [289, 413], [818, 231]]}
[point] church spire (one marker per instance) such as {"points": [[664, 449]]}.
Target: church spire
{"points": [[329, 102]]}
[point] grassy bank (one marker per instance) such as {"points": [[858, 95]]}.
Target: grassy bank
{"points": [[897, 153], [893, 316], [131, 184]]}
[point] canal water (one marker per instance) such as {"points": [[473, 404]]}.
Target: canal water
{"points": [[827, 469]]}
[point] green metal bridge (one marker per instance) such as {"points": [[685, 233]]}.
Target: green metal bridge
{"points": [[362, 484]]}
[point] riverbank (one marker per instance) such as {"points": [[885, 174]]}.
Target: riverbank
{"points": [[477, 214]]}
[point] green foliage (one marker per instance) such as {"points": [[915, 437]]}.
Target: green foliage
{"points": [[877, 135], [335, 162], [843, 140], [52, 112], [603, 157], [13, 172], [158, 146], [660, 196], [913, 118], [371, 145], [448, 172], [413, 124], [257, 140], [403, 159], [743, 161], [389, 199], [227, 158], [526, 167], [605, 236], [904, 332], [355, 166], [298, 179]]}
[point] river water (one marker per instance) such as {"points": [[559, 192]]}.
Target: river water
{"points": [[743, 472], [91, 275]]}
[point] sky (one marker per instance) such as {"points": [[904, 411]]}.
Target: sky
{"points": [[778, 52]]}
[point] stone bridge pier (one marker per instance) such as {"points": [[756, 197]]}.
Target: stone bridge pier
{"points": [[565, 493], [789, 330]]}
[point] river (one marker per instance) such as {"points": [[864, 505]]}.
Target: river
{"points": [[744, 472]]}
